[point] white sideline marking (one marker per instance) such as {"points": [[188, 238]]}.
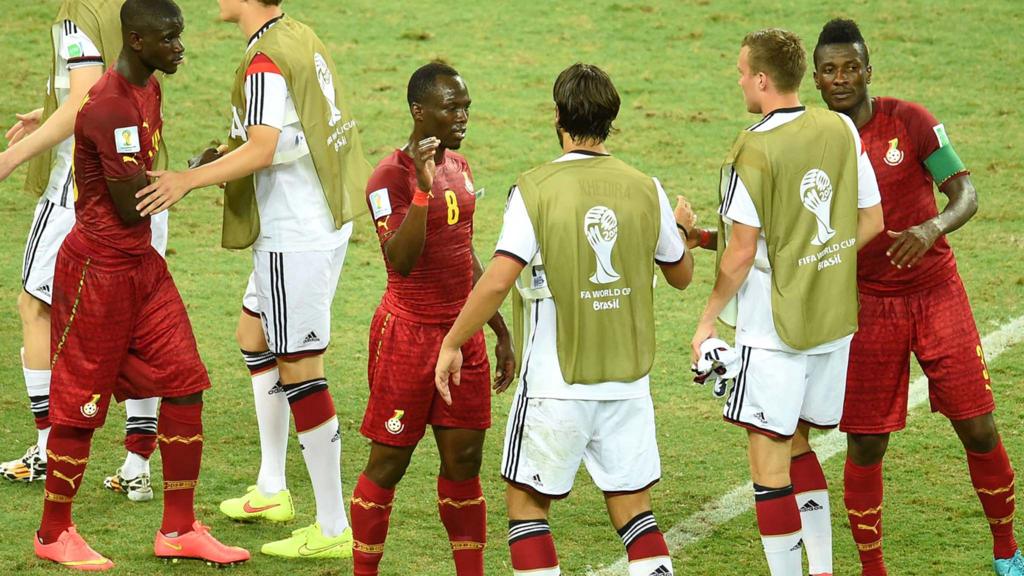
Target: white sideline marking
{"points": [[701, 524]]}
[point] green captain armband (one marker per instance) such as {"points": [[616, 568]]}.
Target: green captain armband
{"points": [[943, 164]]}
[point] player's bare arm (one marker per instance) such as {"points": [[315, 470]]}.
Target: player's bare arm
{"points": [[483, 302], [912, 244], [27, 142], [170, 187], [737, 261], [870, 223], [404, 248], [122, 193], [680, 274], [504, 356]]}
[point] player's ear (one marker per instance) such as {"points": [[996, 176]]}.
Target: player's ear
{"points": [[868, 70], [817, 84], [135, 41], [417, 111]]}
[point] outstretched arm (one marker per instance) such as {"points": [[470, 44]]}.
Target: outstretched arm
{"points": [[912, 244], [504, 356]]}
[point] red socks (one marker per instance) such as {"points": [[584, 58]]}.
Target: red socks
{"points": [[862, 494], [310, 403], [532, 547], [645, 545], [992, 477], [180, 433], [463, 512], [370, 511], [67, 455]]}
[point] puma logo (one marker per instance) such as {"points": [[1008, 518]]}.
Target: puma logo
{"points": [[71, 481], [383, 224], [873, 528], [129, 160]]}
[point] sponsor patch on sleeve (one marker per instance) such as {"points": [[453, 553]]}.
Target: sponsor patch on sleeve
{"points": [[380, 203], [940, 133], [75, 50], [127, 140]]}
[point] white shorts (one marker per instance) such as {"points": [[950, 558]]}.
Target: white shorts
{"points": [[776, 390], [291, 293], [546, 439], [50, 225]]}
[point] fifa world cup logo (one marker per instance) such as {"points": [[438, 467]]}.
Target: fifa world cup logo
{"points": [[816, 195], [602, 229], [326, 80]]}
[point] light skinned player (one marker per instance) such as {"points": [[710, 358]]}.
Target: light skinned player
{"points": [[295, 177], [119, 325], [912, 300], [793, 224], [85, 36], [580, 241]]}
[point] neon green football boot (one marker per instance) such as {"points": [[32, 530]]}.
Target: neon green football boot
{"points": [[310, 542], [255, 506]]}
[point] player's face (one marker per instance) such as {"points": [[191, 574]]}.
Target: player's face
{"points": [[161, 47], [445, 111], [749, 83], [842, 76]]}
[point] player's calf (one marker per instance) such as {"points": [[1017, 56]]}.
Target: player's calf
{"points": [[645, 546]]}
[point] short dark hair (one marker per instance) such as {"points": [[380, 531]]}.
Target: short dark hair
{"points": [[423, 79], [779, 54], [587, 102], [841, 31], [146, 15], [271, 2]]}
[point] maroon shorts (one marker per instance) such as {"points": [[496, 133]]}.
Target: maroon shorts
{"points": [[403, 399], [117, 328], [937, 326]]}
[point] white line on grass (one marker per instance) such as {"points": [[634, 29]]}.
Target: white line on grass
{"points": [[701, 524]]}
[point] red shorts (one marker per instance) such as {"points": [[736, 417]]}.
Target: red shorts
{"points": [[403, 399], [117, 328], [938, 327]]}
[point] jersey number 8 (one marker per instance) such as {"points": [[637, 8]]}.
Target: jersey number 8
{"points": [[453, 206]]}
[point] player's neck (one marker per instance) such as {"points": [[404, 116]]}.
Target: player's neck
{"points": [[863, 112], [586, 145], [772, 101], [133, 70], [416, 136], [256, 17]]}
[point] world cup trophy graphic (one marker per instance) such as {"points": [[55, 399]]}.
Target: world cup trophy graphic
{"points": [[602, 228], [326, 80], [816, 195]]}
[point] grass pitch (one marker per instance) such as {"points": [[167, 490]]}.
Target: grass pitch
{"points": [[674, 65]]}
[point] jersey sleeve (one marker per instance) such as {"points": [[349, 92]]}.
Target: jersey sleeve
{"points": [[266, 93], [388, 197], [114, 129], [738, 206], [77, 49], [517, 239], [922, 128], [868, 194], [670, 248]]}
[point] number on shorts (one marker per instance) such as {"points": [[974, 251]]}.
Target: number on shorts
{"points": [[453, 206]]}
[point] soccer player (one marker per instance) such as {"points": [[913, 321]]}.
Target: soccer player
{"points": [[911, 301], [582, 235], [422, 201], [295, 177], [793, 223], [119, 325], [85, 35]]}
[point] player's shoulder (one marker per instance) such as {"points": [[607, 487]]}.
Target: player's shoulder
{"points": [[392, 170], [457, 158], [902, 110]]}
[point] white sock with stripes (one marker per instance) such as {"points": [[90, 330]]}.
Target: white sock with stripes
{"points": [[321, 449], [37, 384], [272, 416], [141, 417]]}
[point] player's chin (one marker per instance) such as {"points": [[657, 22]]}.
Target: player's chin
{"points": [[172, 66], [453, 143]]}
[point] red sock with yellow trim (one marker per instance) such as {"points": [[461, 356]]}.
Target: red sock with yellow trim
{"points": [[862, 494], [180, 435], [992, 476], [68, 454], [463, 512], [371, 513]]}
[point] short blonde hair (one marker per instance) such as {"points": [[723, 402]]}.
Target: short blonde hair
{"points": [[780, 55]]}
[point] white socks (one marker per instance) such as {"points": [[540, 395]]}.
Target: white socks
{"points": [[784, 554], [321, 449], [816, 518], [272, 415]]}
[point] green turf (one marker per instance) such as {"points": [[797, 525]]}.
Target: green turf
{"points": [[674, 64]]}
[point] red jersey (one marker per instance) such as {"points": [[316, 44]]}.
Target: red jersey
{"points": [[117, 135], [898, 139], [439, 283]]}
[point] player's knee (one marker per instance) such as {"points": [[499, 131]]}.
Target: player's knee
{"points": [[866, 449], [386, 472], [462, 463], [33, 310], [196, 398], [249, 334], [979, 435]]}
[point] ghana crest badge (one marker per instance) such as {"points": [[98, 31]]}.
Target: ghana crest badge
{"points": [[394, 424], [894, 156], [90, 409]]}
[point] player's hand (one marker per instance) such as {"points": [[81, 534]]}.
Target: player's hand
{"points": [[912, 244], [26, 124], [704, 331], [166, 191], [448, 369], [205, 157], [422, 153], [505, 358], [685, 216]]}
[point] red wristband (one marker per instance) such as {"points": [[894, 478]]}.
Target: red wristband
{"points": [[420, 198], [705, 238]]}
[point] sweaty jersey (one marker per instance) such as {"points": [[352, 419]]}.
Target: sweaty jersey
{"points": [[117, 135], [439, 283], [898, 139], [74, 49]]}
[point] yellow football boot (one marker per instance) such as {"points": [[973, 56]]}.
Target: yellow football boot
{"points": [[255, 506], [310, 542]]}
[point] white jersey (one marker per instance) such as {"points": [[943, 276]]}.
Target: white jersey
{"points": [[540, 376], [755, 326], [294, 214], [73, 50]]}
